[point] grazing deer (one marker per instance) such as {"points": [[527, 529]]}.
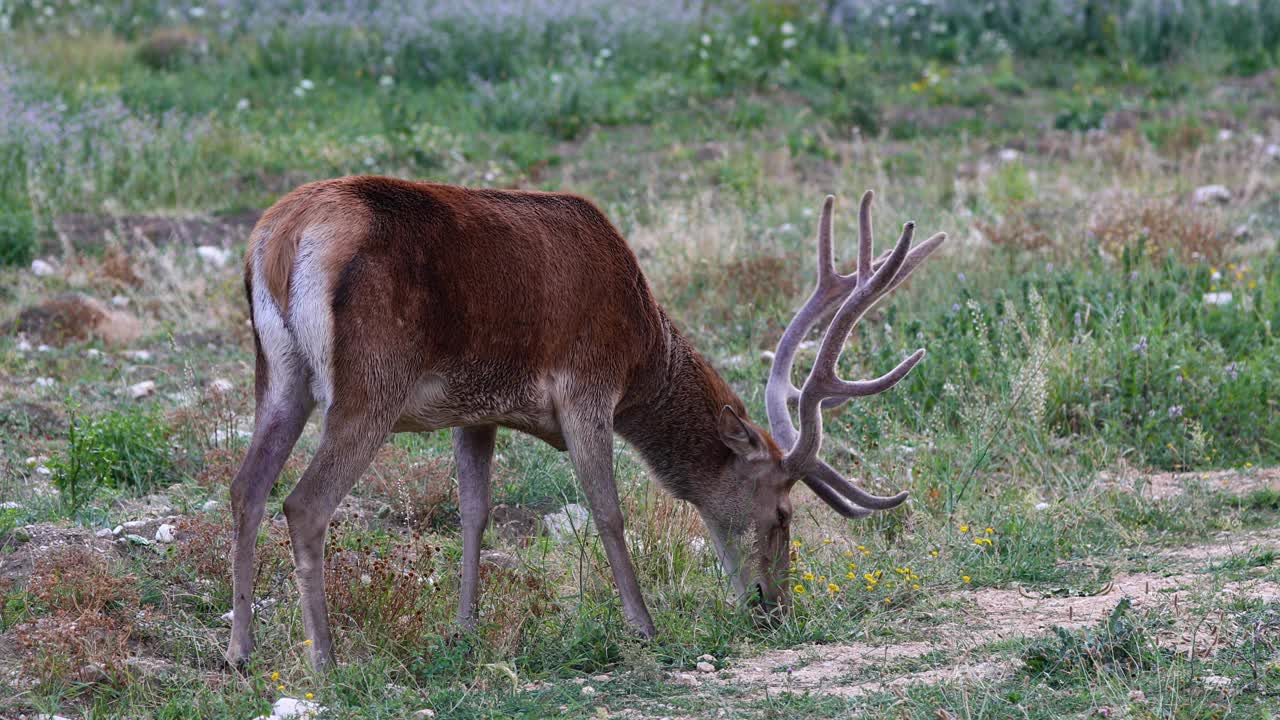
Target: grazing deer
{"points": [[409, 307]]}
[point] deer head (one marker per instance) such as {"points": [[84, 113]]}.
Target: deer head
{"points": [[770, 470]]}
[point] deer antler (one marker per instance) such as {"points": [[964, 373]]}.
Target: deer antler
{"points": [[856, 293]]}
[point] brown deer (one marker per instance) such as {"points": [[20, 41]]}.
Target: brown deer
{"points": [[408, 307]]}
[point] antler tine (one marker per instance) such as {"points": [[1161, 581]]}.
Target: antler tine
{"points": [[823, 473], [864, 237], [837, 500], [826, 262]]}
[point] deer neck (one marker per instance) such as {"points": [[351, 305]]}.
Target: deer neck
{"points": [[672, 420]]}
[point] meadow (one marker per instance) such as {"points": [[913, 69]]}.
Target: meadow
{"points": [[1091, 443]]}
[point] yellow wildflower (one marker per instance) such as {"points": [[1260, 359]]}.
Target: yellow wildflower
{"points": [[915, 587], [851, 576], [307, 642], [833, 588], [964, 528], [309, 696], [808, 576], [280, 688], [799, 589], [991, 531], [275, 676], [965, 579], [826, 541]]}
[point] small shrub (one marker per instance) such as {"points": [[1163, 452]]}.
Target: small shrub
{"points": [[171, 48], [1119, 645], [419, 487], [1194, 234], [84, 616], [124, 450]]}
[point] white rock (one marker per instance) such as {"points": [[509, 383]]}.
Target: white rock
{"points": [[43, 470], [1217, 681], [588, 690], [209, 505], [137, 539], [24, 346], [1042, 506], [1211, 194], [565, 523], [117, 530], [119, 300], [706, 667], [139, 355], [766, 356], [93, 353], [104, 533], [164, 533], [1224, 135], [43, 348], [287, 707], [425, 713], [9, 505], [221, 385], [134, 524], [707, 658], [214, 255], [42, 268], [228, 616], [45, 382], [142, 389], [1273, 151], [1217, 298], [1009, 155]]}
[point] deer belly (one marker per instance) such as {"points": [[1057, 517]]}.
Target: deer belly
{"points": [[441, 401]]}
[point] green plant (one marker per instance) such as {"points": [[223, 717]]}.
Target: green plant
{"points": [[124, 450], [1118, 644]]}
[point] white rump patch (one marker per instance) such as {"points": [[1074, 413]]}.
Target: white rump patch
{"points": [[310, 313]]}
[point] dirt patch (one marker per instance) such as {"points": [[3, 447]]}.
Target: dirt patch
{"points": [[72, 317], [88, 231], [1161, 486], [20, 548], [1228, 546]]}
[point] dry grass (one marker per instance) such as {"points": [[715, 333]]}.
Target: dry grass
{"points": [[1196, 234], [417, 486]]}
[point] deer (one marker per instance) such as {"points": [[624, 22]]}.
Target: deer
{"points": [[399, 306]]}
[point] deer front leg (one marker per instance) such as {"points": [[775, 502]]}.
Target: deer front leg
{"points": [[589, 436], [472, 451]]}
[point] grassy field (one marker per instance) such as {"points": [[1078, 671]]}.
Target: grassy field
{"points": [[1090, 443]]}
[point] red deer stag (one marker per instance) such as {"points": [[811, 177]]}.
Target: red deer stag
{"points": [[409, 307]]}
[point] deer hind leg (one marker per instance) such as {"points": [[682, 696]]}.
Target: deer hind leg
{"points": [[473, 452], [350, 440], [588, 430], [281, 413]]}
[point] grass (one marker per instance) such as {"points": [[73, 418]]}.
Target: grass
{"points": [[1077, 326]]}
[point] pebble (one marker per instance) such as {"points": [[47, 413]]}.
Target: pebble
{"points": [[1211, 194], [588, 691], [139, 355], [214, 255], [142, 389], [24, 346], [136, 539], [164, 533], [707, 658], [209, 505], [221, 385], [45, 382], [425, 713], [104, 533], [9, 505], [706, 667], [287, 707], [1042, 506], [119, 301], [42, 268]]}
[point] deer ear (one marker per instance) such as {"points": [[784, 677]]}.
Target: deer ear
{"points": [[739, 437]]}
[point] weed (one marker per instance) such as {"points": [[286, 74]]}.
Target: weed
{"points": [[122, 449], [1118, 645]]}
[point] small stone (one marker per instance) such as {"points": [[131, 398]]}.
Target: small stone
{"points": [[1009, 155], [601, 678], [104, 533], [136, 539], [1042, 506], [45, 382], [93, 353], [221, 385], [42, 268], [766, 356], [214, 255], [10, 505], [164, 533], [1273, 151], [117, 530], [120, 301], [425, 713], [287, 707], [24, 345], [1137, 696], [588, 691], [134, 524], [1217, 298], [706, 667], [1217, 681], [565, 524], [138, 355], [142, 389], [209, 506], [1208, 194], [228, 616], [707, 658]]}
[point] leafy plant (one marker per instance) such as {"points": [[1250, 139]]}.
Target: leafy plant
{"points": [[124, 450], [1118, 645]]}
